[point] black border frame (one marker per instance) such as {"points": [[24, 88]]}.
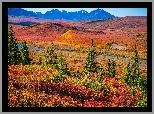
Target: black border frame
{"points": [[6, 5]]}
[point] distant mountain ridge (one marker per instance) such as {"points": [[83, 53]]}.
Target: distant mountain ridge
{"points": [[20, 12], [55, 14]]}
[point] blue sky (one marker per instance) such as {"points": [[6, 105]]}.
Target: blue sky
{"points": [[120, 12]]}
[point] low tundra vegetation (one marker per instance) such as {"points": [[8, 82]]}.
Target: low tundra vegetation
{"points": [[52, 81]]}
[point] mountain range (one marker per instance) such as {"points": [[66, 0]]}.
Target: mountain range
{"points": [[55, 14], [16, 12]]}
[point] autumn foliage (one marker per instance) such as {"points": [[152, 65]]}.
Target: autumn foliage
{"points": [[55, 81]]}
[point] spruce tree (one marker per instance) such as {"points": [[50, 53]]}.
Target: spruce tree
{"points": [[62, 69], [51, 57], [47, 58], [111, 68], [128, 69], [90, 61], [128, 77], [40, 61], [139, 80], [135, 71], [62, 65], [13, 51], [25, 59], [135, 66], [134, 76], [100, 73]]}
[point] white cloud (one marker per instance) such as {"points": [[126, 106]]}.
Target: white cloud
{"points": [[42, 12]]}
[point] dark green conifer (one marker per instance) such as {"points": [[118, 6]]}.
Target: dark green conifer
{"points": [[13, 51], [24, 53], [90, 61]]}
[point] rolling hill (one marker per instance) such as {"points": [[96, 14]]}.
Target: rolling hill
{"points": [[126, 31], [49, 31], [114, 23]]}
